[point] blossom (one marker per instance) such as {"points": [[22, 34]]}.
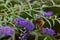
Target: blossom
{"points": [[19, 21], [7, 31], [48, 14], [48, 31], [24, 23], [29, 25], [23, 36]]}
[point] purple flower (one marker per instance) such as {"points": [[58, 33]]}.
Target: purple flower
{"points": [[19, 21], [23, 36], [29, 25], [48, 14], [24, 23], [1, 33], [7, 31], [48, 31]]}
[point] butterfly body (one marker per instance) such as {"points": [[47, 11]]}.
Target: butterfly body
{"points": [[39, 23]]}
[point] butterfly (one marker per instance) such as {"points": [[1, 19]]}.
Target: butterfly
{"points": [[39, 23]]}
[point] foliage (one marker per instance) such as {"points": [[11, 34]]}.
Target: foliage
{"points": [[10, 9]]}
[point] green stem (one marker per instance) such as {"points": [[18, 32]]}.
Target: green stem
{"points": [[36, 37], [29, 5], [52, 2]]}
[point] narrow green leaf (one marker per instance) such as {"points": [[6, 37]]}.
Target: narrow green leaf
{"points": [[45, 38], [50, 38], [53, 22], [0, 23], [7, 1], [59, 18], [48, 21], [58, 21], [55, 17], [28, 14]]}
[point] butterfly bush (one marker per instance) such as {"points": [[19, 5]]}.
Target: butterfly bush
{"points": [[48, 31], [24, 35], [6, 31], [24, 23], [48, 14]]}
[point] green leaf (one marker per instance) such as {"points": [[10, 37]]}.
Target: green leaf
{"points": [[58, 21], [53, 22], [48, 21], [45, 38], [36, 32], [10, 18], [59, 18], [28, 14], [24, 15], [7, 1], [50, 38], [1, 6], [0, 23], [55, 17], [5, 18]]}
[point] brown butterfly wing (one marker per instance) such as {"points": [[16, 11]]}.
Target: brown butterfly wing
{"points": [[39, 23]]}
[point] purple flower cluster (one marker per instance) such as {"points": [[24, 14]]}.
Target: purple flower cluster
{"points": [[24, 35], [6, 31], [48, 31], [24, 23], [48, 14]]}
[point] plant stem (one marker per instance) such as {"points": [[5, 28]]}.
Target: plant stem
{"points": [[36, 37]]}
